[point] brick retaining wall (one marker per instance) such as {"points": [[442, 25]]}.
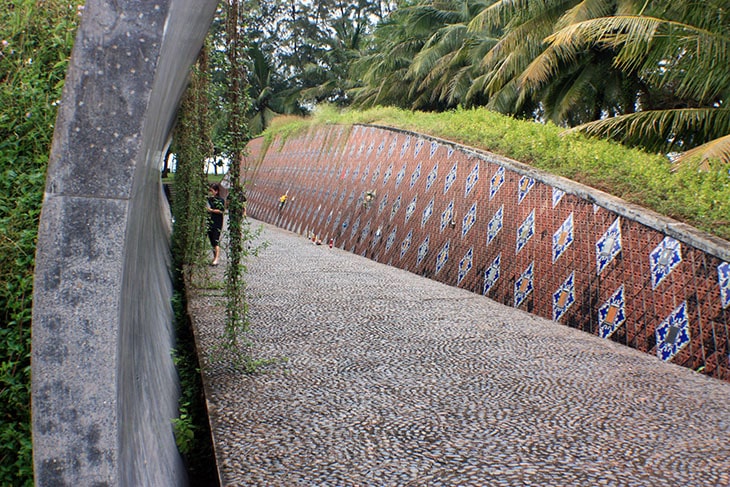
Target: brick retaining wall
{"points": [[500, 228]]}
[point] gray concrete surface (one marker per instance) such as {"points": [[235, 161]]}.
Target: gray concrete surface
{"points": [[386, 378], [104, 387]]}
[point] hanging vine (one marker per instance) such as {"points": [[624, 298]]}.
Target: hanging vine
{"points": [[191, 145], [241, 237]]}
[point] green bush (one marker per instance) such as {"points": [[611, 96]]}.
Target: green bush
{"points": [[35, 45]]}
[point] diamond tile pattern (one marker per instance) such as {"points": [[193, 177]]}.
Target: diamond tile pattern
{"points": [[496, 182], [465, 265], [524, 285], [673, 333], [469, 219], [608, 246], [663, 259], [564, 297], [563, 238], [495, 224], [639, 275], [450, 178], [612, 314], [723, 279], [443, 256], [526, 231], [492, 274], [471, 180]]}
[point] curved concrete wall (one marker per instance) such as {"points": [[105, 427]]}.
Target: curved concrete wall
{"points": [[104, 387], [503, 229]]}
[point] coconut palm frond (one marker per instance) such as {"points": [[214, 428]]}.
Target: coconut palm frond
{"points": [[663, 130], [585, 10], [717, 149]]}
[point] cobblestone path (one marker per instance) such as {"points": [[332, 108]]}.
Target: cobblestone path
{"points": [[390, 379]]}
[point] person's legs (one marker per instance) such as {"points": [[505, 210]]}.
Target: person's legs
{"points": [[214, 234], [216, 254]]}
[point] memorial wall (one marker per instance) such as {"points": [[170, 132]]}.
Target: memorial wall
{"points": [[500, 228]]}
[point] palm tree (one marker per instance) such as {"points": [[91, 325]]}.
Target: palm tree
{"points": [[681, 53], [444, 70], [579, 90], [381, 75]]}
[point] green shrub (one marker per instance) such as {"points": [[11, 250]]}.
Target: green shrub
{"points": [[35, 45]]}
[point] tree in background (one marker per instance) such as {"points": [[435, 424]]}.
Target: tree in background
{"points": [[649, 73], [681, 52]]}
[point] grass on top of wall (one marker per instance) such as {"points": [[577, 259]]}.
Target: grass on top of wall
{"points": [[698, 198]]}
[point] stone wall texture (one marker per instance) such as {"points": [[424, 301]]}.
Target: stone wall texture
{"points": [[104, 385], [505, 230]]}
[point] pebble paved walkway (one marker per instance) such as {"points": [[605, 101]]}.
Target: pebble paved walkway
{"points": [[391, 379]]}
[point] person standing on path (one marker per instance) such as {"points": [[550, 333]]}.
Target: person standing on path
{"points": [[216, 207]]}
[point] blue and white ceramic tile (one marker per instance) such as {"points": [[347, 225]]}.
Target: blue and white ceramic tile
{"points": [[355, 227], [370, 149], [427, 212], [496, 182], [406, 145], [612, 314], [381, 147], [673, 334], [365, 231], [526, 184], [469, 219], [388, 173], [391, 239], [418, 146], [411, 208], [492, 274], [557, 196], [450, 178], [449, 152], [365, 174], [465, 265], [401, 174], [665, 257], [723, 279], [377, 236], [524, 285], [443, 256], [608, 246], [406, 244], [564, 297], [447, 215], [393, 144], [471, 179], [355, 173], [423, 250], [526, 231], [416, 174], [495, 224], [361, 149], [396, 206], [346, 223], [563, 238], [434, 148], [329, 218], [351, 198], [376, 175], [432, 176], [383, 203], [337, 222]]}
